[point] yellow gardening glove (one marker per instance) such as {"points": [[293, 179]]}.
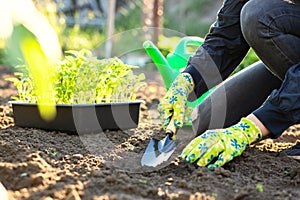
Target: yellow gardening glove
{"points": [[223, 144], [173, 105]]}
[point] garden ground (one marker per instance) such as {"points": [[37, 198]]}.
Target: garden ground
{"points": [[38, 164]]}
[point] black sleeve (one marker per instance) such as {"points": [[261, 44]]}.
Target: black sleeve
{"points": [[222, 51], [282, 109]]}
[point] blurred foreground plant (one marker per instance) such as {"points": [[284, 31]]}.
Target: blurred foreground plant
{"points": [[81, 78], [29, 39]]}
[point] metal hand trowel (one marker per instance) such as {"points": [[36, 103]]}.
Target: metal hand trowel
{"points": [[159, 151]]}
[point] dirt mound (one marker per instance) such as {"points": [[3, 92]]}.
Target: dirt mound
{"points": [[38, 164]]}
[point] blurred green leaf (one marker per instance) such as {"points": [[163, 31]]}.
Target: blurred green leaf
{"points": [[24, 45]]}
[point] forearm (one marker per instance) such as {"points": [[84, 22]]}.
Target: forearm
{"points": [[222, 51], [264, 130]]}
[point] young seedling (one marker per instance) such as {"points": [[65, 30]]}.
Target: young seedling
{"points": [[214, 194], [52, 151], [259, 187], [83, 79]]}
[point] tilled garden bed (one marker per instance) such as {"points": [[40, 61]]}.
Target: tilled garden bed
{"points": [[38, 164]]}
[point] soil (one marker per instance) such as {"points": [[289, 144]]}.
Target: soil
{"points": [[39, 164]]}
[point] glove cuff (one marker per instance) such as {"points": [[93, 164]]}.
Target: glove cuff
{"points": [[185, 80], [249, 129]]}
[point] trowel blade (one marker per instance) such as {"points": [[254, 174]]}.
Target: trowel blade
{"points": [[158, 151]]}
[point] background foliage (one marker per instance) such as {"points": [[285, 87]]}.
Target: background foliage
{"points": [[189, 17]]}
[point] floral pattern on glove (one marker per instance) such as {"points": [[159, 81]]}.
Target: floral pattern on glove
{"points": [[214, 148], [173, 105]]}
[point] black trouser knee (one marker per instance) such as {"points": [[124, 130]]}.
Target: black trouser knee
{"points": [[236, 97], [271, 30]]}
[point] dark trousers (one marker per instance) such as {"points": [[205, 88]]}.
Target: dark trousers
{"points": [[270, 90]]}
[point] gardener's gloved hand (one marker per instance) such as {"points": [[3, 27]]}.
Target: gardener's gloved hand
{"points": [[225, 144], [173, 105]]}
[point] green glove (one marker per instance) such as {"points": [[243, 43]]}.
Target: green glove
{"points": [[173, 105], [222, 143]]}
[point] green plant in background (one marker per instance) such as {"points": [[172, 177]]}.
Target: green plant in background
{"points": [[129, 17], [78, 37], [81, 78], [70, 36], [249, 59], [193, 18]]}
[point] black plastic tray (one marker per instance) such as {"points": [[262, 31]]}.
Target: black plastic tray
{"points": [[80, 118]]}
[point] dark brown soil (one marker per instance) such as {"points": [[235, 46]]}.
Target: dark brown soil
{"points": [[38, 164]]}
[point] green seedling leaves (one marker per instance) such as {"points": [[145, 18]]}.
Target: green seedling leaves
{"points": [[52, 151], [81, 78], [260, 187]]}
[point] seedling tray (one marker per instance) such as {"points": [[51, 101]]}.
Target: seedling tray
{"points": [[80, 118]]}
